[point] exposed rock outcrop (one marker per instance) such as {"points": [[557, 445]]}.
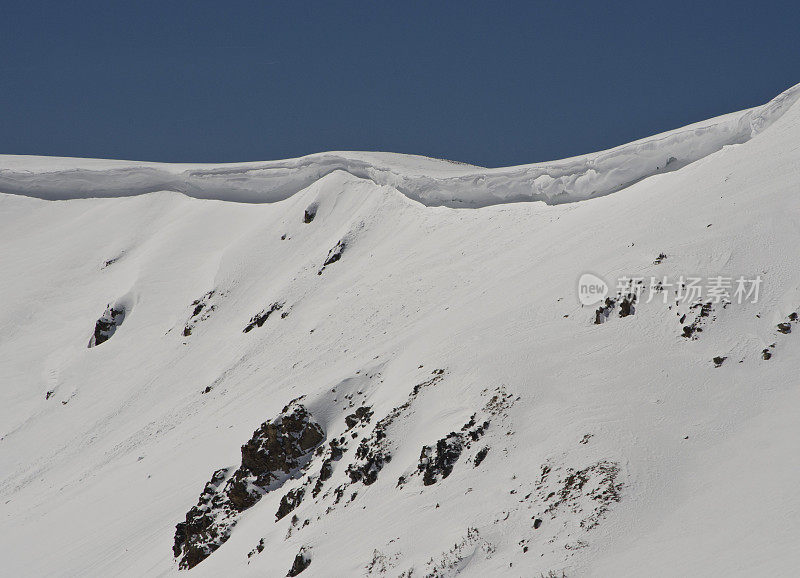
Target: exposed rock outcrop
{"points": [[436, 463], [289, 502], [261, 317], [360, 417], [310, 213], [201, 310], [107, 325], [333, 255], [373, 452], [278, 451], [301, 562]]}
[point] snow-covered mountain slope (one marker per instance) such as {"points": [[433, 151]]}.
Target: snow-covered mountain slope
{"points": [[168, 360], [429, 181]]}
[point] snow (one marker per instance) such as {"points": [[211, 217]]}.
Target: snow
{"points": [[429, 181], [103, 450]]}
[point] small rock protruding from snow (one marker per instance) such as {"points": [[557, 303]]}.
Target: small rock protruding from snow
{"points": [[361, 416], [107, 325], [301, 562], [310, 213], [261, 317], [289, 502], [627, 305], [333, 255], [604, 311], [201, 310], [480, 456]]}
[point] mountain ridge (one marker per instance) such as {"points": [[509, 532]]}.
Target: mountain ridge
{"points": [[432, 182]]}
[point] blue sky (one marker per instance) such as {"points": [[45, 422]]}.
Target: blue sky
{"points": [[491, 83]]}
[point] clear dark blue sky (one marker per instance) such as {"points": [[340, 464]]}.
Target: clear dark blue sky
{"points": [[492, 83]]}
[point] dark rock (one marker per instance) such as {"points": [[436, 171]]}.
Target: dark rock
{"points": [[301, 562], [477, 433], [694, 327], [784, 328], [277, 452], [705, 308], [719, 360], [310, 213], [260, 318], [373, 452], [766, 354], [289, 502], [201, 310], [180, 538], [258, 549], [626, 306], [371, 456], [480, 456], [336, 448], [107, 325], [438, 464], [360, 417], [338, 493], [317, 487], [333, 255], [198, 536], [326, 471], [113, 260], [278, 446], [598, 482], [604, 311]]}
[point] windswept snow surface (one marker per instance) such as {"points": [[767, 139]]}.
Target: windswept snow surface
{"points": [[614, 449], [432, 182]]}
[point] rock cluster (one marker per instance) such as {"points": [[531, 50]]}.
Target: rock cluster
{"points": [[277, 452]]}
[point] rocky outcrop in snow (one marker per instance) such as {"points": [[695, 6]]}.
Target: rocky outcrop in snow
{"points": [[107, 325], [277, 452]]}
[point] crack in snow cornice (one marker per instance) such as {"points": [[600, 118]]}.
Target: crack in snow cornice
{"points": [[431, 182]]}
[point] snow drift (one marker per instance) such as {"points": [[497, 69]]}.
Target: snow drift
{"points": [[432, 182]]}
